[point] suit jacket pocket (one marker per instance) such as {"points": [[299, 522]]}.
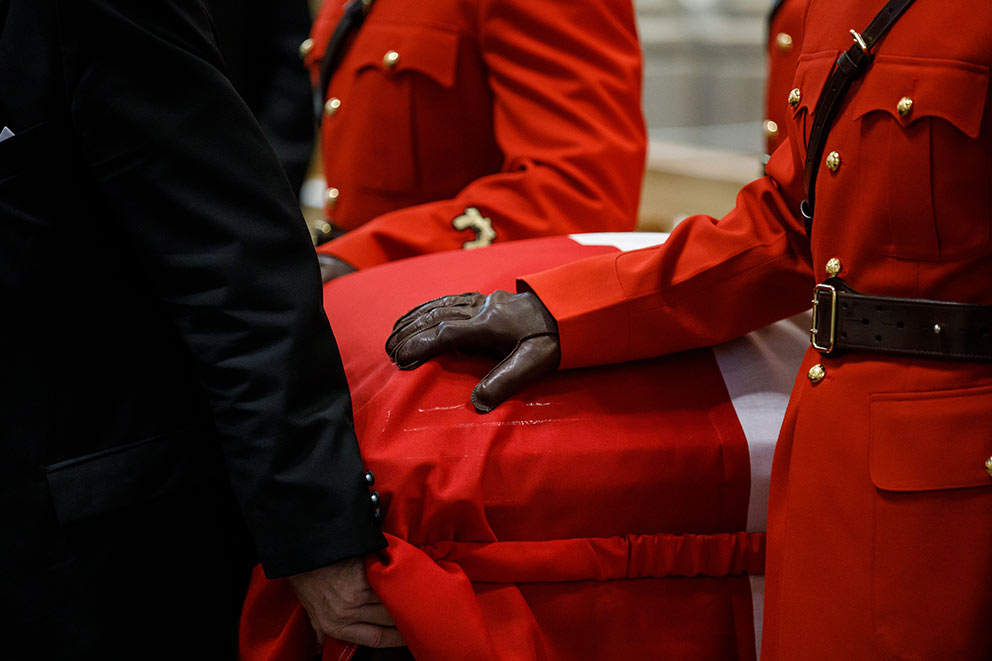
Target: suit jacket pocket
{"points": [[128, 474], [931, 580]]}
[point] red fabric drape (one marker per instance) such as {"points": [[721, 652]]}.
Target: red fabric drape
{"points": [[567, 523]]}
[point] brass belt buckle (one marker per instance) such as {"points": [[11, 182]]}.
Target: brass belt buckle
{"points": [[813, 333]]}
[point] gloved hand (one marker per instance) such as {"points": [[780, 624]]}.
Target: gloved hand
{"points": [[516, 327], [331, 267]]}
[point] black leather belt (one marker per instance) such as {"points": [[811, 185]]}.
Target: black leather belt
{"points": [[846, 319]]}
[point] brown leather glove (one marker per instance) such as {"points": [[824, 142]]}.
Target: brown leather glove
{"points": [[331, 267], [516, 327]]}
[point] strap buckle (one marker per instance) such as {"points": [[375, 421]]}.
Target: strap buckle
{"points": [[814, 332], [859, 40]]}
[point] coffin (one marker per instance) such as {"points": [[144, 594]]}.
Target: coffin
{"points": [[603, 513]]}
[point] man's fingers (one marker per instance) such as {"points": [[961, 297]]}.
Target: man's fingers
{"points": [[533, 358], [428, 323], [443, 337], [371, 614], [455, 300], [429, 315], [370, 635]]}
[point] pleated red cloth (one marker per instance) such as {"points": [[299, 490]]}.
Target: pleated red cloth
{"points": [[597, 515]]}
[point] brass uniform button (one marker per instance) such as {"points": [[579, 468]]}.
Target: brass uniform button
{"points": [[904, 106], [833, 161], [784, 42], [331, 196], [833, 267], [332, 106], [771, 128], [816, 373], [794, 97], [390, 59], [988, 466], [306, 47]]}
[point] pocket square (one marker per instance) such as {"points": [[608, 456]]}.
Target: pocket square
{"points": [[5, 134]]}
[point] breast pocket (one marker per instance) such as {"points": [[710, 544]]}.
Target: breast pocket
{"points": [[931, 577], [921, 120], [386, 74]]}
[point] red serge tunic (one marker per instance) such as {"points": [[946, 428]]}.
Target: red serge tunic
{"points": [[527, 112], [879, 524]]}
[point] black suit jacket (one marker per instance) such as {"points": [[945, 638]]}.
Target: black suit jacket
{"points": [[161, 311]]}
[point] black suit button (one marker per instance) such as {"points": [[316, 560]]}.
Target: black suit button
{"points": [[369, 478], [377, 515], [374, 497]]}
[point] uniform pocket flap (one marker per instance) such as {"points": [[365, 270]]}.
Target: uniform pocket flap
{"points": [[110, 479], [396, 49], [931, 440], [909, 89], [812, 72]]}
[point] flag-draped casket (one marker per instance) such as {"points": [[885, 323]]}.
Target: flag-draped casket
{"points": [[603, 513]]}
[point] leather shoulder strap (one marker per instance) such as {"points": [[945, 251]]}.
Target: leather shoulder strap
{"points": [[851, 65]]}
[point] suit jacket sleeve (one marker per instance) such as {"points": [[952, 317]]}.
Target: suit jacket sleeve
{"points": [[191, 183], [711, 281], [566, 85]]}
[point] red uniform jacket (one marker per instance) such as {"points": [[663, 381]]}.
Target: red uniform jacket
{"points": [[494, 120], [785, 41], [879, 524]]}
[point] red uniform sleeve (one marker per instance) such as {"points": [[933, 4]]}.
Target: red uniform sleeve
{"points": [[711, 281], [566, 85]]}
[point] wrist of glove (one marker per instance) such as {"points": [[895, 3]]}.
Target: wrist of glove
{"points": [[517, 328]]}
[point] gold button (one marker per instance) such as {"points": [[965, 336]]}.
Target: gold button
{"points": [[784, 42], [833, 161], [390, 59], [904, 106], [816, 373], [988, 466], [771, 128], [306, 47], [332, 106], [833, 267], [331, 196], [794, 97]]}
